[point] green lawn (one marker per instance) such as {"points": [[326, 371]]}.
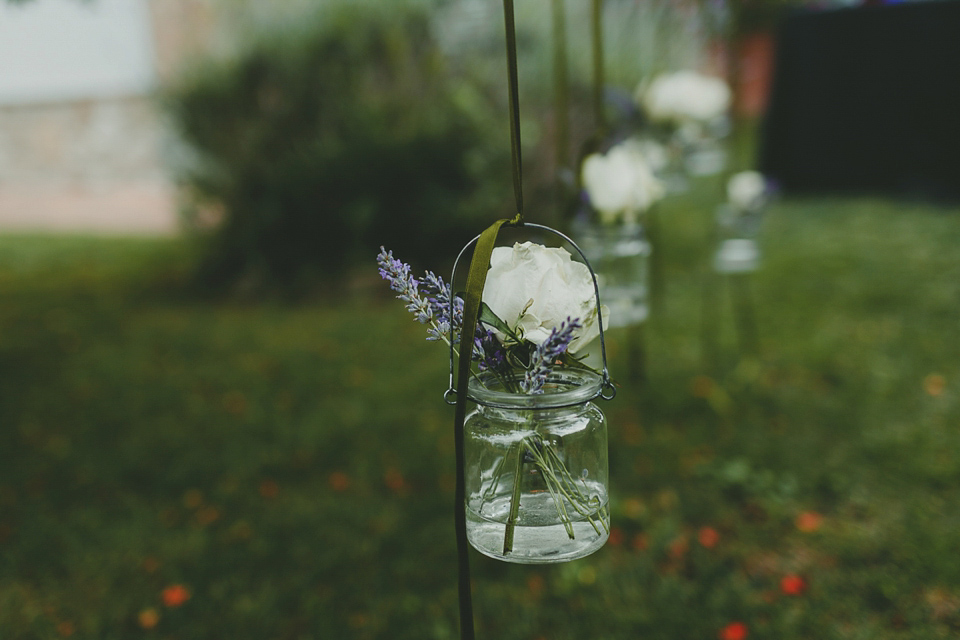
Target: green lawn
{"points": [[291, 466]]}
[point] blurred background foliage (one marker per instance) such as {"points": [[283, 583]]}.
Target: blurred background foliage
{"points": [[175, 468], [324, 137], [288, 469], [320, 131]]}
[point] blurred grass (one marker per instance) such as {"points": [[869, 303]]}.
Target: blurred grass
{"points": [[292, 466]]}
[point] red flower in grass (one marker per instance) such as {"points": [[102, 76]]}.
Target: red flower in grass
{"points": [[536, 584], [641, 542], [269, 489], [792, 584], [175, 595], [616, 537], [708, 537], [734, 631], [809, 521], [934, 384], [339, 481], [395, 481], [678, 547]]}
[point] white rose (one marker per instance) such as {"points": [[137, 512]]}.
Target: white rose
{"points": [[534, 288], [620, 183], [746, 190], [684, 96]]}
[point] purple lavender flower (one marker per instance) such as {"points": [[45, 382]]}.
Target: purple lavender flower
{"points": [[445, 314], [398, 275], [546, 354], [488, 350], [427, 299]]}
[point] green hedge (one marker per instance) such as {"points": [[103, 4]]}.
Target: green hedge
{"points": [[322, 141]]}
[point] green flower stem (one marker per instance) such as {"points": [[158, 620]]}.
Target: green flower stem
{"points": [[553, 485], [574, 495], [514, 501], [559, 482], [491, 491], [567, 486]]}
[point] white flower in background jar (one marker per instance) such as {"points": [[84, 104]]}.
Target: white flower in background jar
{"points": [[690, 110], [621, 187], [739, 220], [620, 183], [747, 190], [684, 96]]}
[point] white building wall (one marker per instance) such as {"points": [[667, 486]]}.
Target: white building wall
{"points": [[80, 138], [62, 50]]}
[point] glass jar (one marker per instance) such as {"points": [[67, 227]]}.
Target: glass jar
{"points": [[536, 469], [737, 255], [737, 251], [704, 149], [620, 256]]}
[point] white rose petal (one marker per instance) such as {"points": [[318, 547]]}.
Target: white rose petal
{"points": [[534, 289], [684, 96], [620, 183], [746, 190]]}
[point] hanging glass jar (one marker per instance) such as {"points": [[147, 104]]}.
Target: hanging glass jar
{"points": [[737, 251], [620, 190], [737, 255], [739, 221], [536, 469], [534, 449], [620, 255]]}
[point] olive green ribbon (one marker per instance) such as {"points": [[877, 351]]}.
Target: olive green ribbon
{"points": [[476, 278], [598, 70], [594, 142], [561, 84], [512, 76]]}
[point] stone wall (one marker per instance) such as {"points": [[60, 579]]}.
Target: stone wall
{"points": [[81, 166]]}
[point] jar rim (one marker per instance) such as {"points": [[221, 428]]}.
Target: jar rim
{"points": [[564, 388], [620, 231]]}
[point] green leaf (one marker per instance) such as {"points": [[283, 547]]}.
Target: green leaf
{"points": [[574, 362], [489, 318]]}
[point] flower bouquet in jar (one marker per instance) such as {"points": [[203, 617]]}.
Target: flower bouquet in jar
{"points": [[739, 220], [620, 190], [691, 111], [535, 445]]}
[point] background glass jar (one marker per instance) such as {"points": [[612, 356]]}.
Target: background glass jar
{"points": [[737, 250], [536, 470], [620, 256]]}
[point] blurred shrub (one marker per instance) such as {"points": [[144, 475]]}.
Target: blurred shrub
{"points": [[318, 142]]}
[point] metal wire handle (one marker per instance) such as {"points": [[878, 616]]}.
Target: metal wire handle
{"points": [[607, 389]]}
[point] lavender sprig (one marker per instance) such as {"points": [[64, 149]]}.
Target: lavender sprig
{"points": [[428, 299], [546, 354], [430, 302], [488, 351], [398, 274], [438, 297]]}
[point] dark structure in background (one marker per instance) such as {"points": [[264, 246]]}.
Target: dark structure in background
{"points": [[867, 101]]}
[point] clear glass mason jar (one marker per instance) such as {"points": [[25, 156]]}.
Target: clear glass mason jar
{"points": [[536, 470], [704, 149], [620, 256], [737, 251]]}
